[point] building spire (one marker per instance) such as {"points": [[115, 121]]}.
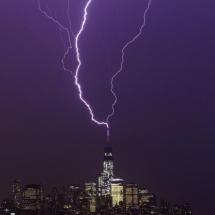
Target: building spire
{"points": [[108, 136]]}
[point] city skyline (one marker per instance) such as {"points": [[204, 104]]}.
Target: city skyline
{"points": [[109, 195]]}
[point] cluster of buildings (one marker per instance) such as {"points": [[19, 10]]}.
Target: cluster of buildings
{"points": [[110, 196]]}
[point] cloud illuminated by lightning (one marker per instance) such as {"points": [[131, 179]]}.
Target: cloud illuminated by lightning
{"points": [[125, 47]]}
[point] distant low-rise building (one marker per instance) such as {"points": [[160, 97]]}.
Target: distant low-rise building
{"points": [[117, 191], [145, 197], [131, 193], [17, 193], [32, 197]]}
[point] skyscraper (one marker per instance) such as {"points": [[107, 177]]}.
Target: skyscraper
{"points": [[105, 178]]}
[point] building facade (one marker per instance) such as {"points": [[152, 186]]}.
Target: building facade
{"points": [[117, 191], [131, 193], [91, 195], [105, 178], [32, 197], [17, 193]]}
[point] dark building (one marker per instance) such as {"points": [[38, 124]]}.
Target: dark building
{"points": [[32, 197], [17, 194]]}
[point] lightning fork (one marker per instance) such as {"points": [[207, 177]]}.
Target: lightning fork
{"points": [[130, 42]]}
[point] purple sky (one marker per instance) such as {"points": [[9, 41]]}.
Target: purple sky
{"points": [[163, 131]]}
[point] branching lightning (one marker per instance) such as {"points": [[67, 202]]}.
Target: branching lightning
{"points": [[76, 38], [63, 28], [130, 42], [69, 18]]}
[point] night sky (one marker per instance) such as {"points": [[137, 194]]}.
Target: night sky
{"points": [[163, 131]]}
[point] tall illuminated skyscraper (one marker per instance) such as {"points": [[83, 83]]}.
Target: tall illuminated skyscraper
{"points": [[105, 178]]}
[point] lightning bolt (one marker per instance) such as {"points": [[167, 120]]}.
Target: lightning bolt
{"points": [[77, 83], [76, 38], [69, 31], [125, 47]]}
